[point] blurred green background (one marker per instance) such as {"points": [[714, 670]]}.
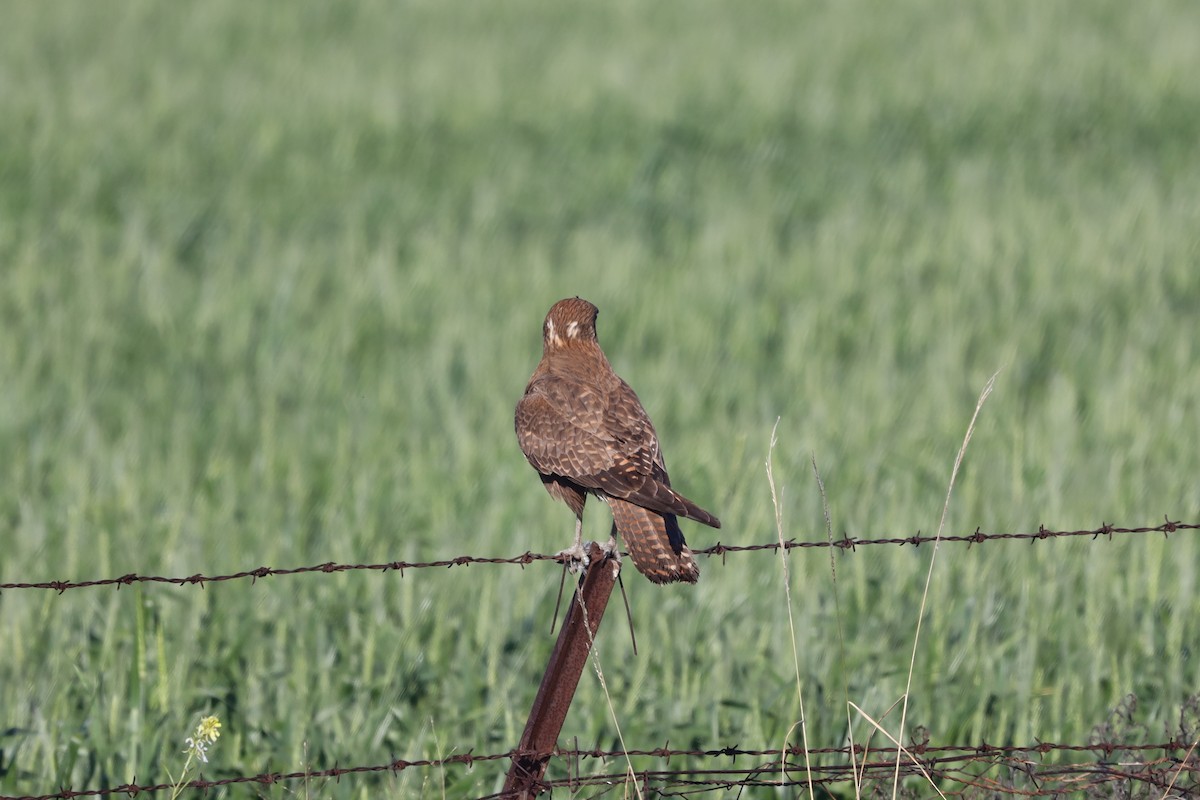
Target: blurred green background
{"points": [[272, 279]]}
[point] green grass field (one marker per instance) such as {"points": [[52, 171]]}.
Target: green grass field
{"points": [[272, 280]]}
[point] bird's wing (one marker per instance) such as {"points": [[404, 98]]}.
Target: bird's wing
{"points": [[600, 440], [558, 425]]}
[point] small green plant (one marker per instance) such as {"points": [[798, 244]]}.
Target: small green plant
{"points": [[206, 734]]}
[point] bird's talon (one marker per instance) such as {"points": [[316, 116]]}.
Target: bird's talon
{"points": [[575, 559]]}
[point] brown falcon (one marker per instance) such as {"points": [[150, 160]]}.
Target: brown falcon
{"points": [[585, 432]]}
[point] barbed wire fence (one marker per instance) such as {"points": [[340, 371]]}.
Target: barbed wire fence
{"points": [[525, 559], [1170, 768], [1116, 768]]}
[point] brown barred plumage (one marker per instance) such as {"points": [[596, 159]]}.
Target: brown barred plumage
{"points": [[585, 432]]}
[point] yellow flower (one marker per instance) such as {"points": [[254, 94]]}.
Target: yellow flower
{"points": [[209, 729]]}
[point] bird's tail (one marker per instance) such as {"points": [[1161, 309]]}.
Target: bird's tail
{"points": [[655, 543]]}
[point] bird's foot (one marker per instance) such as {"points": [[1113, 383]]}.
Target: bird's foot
{"points": [[575, 558], [611, 550]]}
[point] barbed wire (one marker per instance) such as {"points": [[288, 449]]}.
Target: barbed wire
{"points": [[946, 763], [845, 543], [1024, 780], [264, 778]]}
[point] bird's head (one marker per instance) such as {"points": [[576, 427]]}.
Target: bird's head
{"points": [[571, 321]]}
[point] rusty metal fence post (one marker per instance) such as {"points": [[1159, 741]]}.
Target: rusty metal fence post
{"points": [[561, 677]]}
